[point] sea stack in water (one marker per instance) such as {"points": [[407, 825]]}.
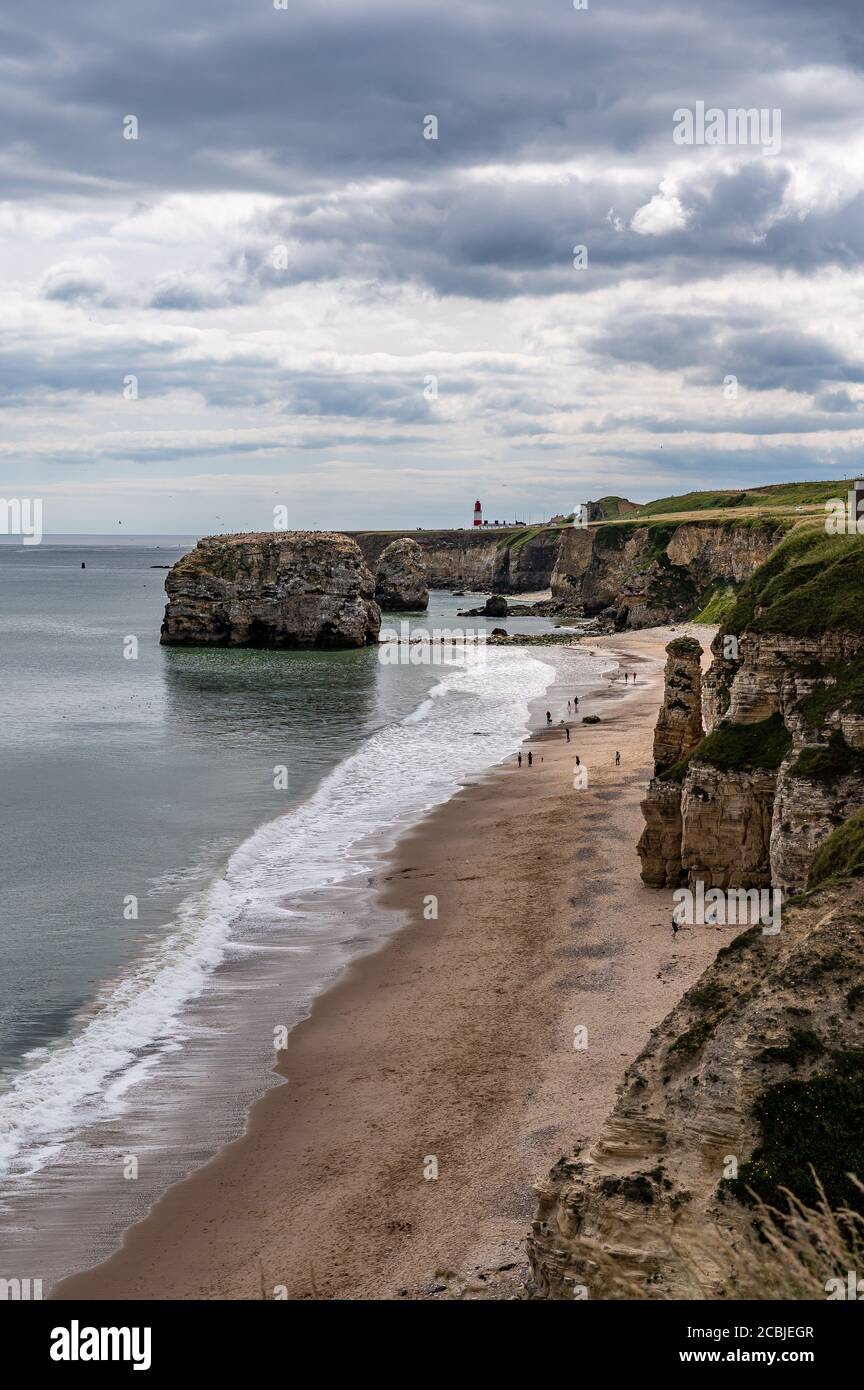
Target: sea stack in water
{"points": [[401, 584], [287, 589]]}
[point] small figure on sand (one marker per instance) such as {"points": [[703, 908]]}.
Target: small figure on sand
{"points": [[548, 717], [567, 732], [530, 757], [575, 701], [617, 759], [577, 759], [519, 758], [633, 673], [568, 706]]}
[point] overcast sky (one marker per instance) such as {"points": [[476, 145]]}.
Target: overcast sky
{"points": [[289, 269]]}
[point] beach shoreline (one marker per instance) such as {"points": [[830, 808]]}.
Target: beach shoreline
{"points": [[450, 1048]]}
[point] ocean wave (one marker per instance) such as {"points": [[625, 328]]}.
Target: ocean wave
{"points": [[398, 773]]}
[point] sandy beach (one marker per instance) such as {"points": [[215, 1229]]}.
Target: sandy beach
{"points": [[450, 1050]]}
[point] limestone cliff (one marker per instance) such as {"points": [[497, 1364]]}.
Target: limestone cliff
{"points": [[401, 583], [783, 761], [651, 574], [284, 589], [679, 724], [639, 573], [757, 1073]]}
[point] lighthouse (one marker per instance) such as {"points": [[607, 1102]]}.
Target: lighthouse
{"points": [[478, 514]]}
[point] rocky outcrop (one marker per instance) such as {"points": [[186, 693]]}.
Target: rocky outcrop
{"points": [[759, 1071], [782, 764], [679, 724], [400, 579], [678, 731], [659, 572], [460, 559], [659, 846], [639, 573], [291, 589], [756, 1073]]}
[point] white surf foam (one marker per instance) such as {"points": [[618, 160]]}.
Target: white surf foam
{"points": [[473, 718]]}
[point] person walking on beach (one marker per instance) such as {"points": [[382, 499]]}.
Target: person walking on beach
{"points": [[577, 759], [519, 758], [567, 732], [568, 706], [617, 759], [575, 701], [548, 717], [530, 757]]}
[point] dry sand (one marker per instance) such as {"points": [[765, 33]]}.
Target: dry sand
{"points": [[453, 1042]]}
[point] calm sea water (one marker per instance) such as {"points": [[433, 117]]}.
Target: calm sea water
{"points": [[154, 877]]}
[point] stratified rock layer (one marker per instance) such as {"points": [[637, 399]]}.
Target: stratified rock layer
{"points": [[401, 583], [645, 1212], [679, 724], [291, 589], [678, 731]]}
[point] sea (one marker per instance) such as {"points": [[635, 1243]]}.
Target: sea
{"points": [[190, 841]]}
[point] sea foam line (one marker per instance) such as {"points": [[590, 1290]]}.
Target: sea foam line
{"points": [[396, 774]]}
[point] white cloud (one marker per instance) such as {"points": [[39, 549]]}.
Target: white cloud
{"points": [[662, 215]]}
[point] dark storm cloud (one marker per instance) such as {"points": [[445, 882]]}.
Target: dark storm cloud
{"points": [[706, 349], [239, 96]]}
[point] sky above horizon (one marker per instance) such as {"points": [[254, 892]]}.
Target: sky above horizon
{"points": [[281, 293]]}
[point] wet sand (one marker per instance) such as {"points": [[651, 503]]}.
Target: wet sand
{"points": [[449, 1050]]}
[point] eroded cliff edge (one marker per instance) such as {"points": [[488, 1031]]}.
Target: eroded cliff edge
{"points": [[758, 1073], [635, 573], [272, 589], [782, 762]]}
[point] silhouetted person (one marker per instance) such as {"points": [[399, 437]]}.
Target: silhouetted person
{"points": [[567, 732], [548, 717], [577, 759], [575, 701], [519, 759], [617, 759], [530, 757]]}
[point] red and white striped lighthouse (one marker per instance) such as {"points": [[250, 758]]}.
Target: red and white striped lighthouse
{"points": [[478, 514]]}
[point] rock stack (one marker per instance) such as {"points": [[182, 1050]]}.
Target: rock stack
{"points": [[289, 589], [401, 584]]}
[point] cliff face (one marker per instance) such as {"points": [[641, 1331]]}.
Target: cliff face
{"points": [[400, 578], [464, 559], [679, 724], [643, 575], [783, 762], [659, 573], [291, 589], [756, 1073]]}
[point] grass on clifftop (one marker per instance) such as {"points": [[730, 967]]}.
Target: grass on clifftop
{"points": [[743, 747], [771, 495], [811, 584], [841, 855]]}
